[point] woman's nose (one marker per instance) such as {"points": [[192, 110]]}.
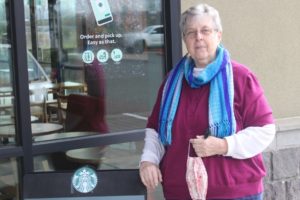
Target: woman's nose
{"points": [[199, 35]]}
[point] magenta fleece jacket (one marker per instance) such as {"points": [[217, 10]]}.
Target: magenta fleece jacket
{"points": [[227, 177]]}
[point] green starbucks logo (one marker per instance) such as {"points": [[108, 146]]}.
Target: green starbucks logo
{"points": [[84, 180]]}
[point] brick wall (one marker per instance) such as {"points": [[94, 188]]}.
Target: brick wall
{"points": [[282, 161]]}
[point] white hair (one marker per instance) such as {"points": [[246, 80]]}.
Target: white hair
{"points": [[201, 9]]}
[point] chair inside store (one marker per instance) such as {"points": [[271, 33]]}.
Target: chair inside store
{"points": [[6, 102], [56, 108], [94, 86], [83, 113], [39, 110], [38, 98]]}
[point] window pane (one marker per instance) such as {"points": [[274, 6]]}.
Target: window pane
{"points": [[105, 61], [115, 156], [7, 117], [94, 72], [121, 61], [104, 75], [37, 36], [8, 179]]}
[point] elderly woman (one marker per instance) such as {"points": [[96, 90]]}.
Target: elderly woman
{"points": [[216, 105]]}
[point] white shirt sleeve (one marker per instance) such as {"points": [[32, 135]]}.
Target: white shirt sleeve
{"points": [[250, 141], [153, 150]]}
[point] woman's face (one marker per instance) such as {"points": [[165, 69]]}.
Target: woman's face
{"points": [[201, 39]]}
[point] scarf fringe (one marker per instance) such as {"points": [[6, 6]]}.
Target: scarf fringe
{"points": [[220, 129]]}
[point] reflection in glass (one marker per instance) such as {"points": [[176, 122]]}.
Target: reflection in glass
{"points": [[104, 72], [8, 179], [117, 62], [7, 117], [115, 156], [128, 51]]}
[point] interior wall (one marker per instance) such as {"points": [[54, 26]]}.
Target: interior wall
{"points": [[264, 35]]}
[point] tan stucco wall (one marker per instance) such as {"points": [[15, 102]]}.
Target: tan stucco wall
{"points": [[265, 35]]}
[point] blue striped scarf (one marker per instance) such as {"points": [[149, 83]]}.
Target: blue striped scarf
{"points": [[219, 74]]}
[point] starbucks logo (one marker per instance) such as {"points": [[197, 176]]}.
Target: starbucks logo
{"points": [[84, 180]]}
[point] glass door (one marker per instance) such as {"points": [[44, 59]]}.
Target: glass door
{"points": [[104, 62]]}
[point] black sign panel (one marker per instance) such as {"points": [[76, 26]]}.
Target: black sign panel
{"points": [[112, 184]]}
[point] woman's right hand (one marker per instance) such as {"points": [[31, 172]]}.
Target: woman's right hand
{"points": [[150, 174]]}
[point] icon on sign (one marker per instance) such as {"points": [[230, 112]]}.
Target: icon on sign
{"points": [[88, 56], [116, 55], [102, 56], [102, 12]]}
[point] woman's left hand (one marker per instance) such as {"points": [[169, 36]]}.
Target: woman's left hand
{"points": [[210, 146]]}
